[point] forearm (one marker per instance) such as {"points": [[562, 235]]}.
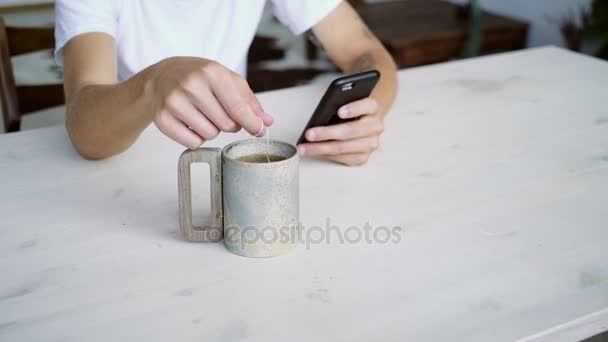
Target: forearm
{"points": [[104, 120], [354, 48], [378, 59]]}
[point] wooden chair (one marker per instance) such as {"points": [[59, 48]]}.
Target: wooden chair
{"points": [[21, 100]]}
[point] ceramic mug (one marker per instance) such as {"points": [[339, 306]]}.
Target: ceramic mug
{"points": [[254, 204]]}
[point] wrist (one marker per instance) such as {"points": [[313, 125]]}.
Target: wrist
{"points": [[148, 85]]}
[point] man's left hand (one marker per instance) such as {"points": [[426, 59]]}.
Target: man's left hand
{"points": [[349, 143]]}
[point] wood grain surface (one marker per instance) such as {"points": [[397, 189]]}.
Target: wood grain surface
{"points": [[495, 171]]}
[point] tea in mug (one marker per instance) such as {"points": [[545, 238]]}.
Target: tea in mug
{"points": [[261, 158]]}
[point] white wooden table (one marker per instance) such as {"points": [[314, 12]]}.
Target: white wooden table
{"points": [[496, 169]]}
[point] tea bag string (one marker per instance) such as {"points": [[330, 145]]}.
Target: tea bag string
{"points": [[259, 135]]}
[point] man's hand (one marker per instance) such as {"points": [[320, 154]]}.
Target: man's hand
{"points": [[349, 143], [189, 99], [194, 99], [354, 48]]}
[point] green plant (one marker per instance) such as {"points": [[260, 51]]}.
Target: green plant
{"points": [[597, 30], [587, 29]]}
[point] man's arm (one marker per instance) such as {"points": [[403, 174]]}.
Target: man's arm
{"points": [[103, 118], [354, 48], [190, 99]]}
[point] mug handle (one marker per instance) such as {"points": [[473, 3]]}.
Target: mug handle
{"points": [[214, 232]]}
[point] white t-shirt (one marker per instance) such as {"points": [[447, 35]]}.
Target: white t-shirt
{"points": [[148, 31]]}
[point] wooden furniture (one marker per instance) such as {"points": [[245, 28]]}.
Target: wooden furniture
{"points": [[495, 170], [263, 49], [261, 78], [21, 100], [271, 79], [20, 6], [418, 32]]}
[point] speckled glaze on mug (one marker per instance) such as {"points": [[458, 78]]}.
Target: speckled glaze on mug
{"points": [[254, 206]]}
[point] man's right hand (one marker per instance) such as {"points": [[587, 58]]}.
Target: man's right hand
{"points": [[189, 99], [194, 99]]}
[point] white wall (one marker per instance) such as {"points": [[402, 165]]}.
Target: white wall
{"points": [[543, 15]]}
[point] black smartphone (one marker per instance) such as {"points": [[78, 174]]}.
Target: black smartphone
{"points": [[341, 91]]}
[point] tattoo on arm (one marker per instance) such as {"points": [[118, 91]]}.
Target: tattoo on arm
{"points": [[364, 62]]}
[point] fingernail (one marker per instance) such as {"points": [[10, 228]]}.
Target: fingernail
{"points": [[311, 135], [343, 112], [267, 118], [301, 150]]}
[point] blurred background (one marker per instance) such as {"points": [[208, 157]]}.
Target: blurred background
{"points": [[416, 32]]}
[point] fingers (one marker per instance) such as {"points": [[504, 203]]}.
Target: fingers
{"points": [[266, 118], [181, 107], [359, 108], [352, 159], [334, 148], [196, 99], [366, 126], [214, 111], [238, 101], [178, 131], [349, 143]]}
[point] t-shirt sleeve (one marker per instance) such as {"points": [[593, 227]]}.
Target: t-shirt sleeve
{"points": [[75, 17], [301, 15]]}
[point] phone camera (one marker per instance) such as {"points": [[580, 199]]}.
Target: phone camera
{"points": [[348, 86]]}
